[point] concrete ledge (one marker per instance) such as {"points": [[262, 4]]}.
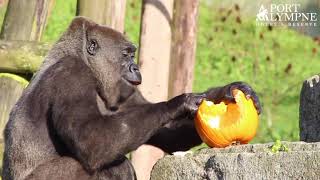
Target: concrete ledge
{"points": [[253, 161]]}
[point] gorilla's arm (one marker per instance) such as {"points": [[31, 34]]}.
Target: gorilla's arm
{"points": [[97, 141], [181, 135], [178, 137]]}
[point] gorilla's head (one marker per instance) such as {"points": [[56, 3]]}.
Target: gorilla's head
{"points": [[109, 55], [108, 52]]}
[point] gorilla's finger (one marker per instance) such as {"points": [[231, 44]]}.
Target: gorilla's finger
{"points": [[229, 97], [249, 93], [245, 88], [256, 103], [200, 98], [192, 102]]}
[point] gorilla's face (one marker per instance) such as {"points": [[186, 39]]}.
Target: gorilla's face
{"points": [[109, 53], [130, 70], [110, 56]]}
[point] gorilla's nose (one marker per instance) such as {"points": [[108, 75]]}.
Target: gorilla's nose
{"points": [[134, 75], [134, 68]]}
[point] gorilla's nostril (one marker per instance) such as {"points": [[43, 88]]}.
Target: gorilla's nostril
{"points": [[133, 68], [113, 108]]}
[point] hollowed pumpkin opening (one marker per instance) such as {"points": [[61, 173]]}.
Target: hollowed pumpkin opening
{"points": [[220, 125]]}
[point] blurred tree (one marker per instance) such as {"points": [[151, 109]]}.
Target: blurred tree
{"points": [[25, 20], [154, 58], [183, 47], [3, 2], [108, 12]]}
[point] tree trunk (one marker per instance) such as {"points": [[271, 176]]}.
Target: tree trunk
{"points": [[25, 19], [154, 52], [154, 58], [143, 160], [310, 110], [11, 87], [107, 12], [183, 47]]}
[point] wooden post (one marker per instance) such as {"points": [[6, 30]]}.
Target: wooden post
{"points": [[22, 56], [310, 110], [154, 52], [154, 58], [11, 87], [107, 12], [183, 48], [25, 19], [3, 3]]}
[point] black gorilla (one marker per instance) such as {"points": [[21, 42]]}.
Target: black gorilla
{"points": [[82, 112]]}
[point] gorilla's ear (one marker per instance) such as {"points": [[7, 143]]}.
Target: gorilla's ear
{"points": [[79, 30]]}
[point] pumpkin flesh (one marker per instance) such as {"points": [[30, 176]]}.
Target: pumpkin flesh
{"points": [[220, 125]]}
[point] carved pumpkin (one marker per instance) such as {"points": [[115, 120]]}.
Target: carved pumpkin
{"points": [[220, 125]]}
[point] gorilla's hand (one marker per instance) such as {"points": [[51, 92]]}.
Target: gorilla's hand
{"points": [[184, 104], [225, 93], [192, 102]]}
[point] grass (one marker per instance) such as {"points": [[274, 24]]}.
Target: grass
{"points": [[230, 47], [61, 15], [275, 61]]}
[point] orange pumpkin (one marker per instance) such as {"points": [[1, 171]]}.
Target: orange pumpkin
{"points": [[220, 125]]}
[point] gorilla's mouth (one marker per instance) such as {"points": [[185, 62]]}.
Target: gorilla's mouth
{"points": [[132, 82], [132, 75]]}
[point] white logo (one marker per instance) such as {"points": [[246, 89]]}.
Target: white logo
{"points": [[263, 14], [286, 15]]}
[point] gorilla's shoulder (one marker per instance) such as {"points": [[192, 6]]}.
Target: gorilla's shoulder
{"points": [[68, 73], [68, 65]]}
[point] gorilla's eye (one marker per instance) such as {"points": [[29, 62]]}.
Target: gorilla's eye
{"points": [[92, 47], [125, 54], [128, 54]]}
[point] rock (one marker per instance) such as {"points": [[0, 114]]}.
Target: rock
{"points": [[253, 161], [310, 110]]}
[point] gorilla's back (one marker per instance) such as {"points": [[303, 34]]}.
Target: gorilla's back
{"points": [[27, 139], [30, 138]]}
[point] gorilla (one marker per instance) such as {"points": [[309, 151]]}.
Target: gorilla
{"points": [[82, 112]]}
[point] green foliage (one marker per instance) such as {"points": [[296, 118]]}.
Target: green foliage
{"points": [[279, 147], [64, 11], [2, 14], [61, 15], [132, 21], [274, 61]]}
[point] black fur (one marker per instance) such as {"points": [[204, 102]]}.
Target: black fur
{"points": [[81, 113]]}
